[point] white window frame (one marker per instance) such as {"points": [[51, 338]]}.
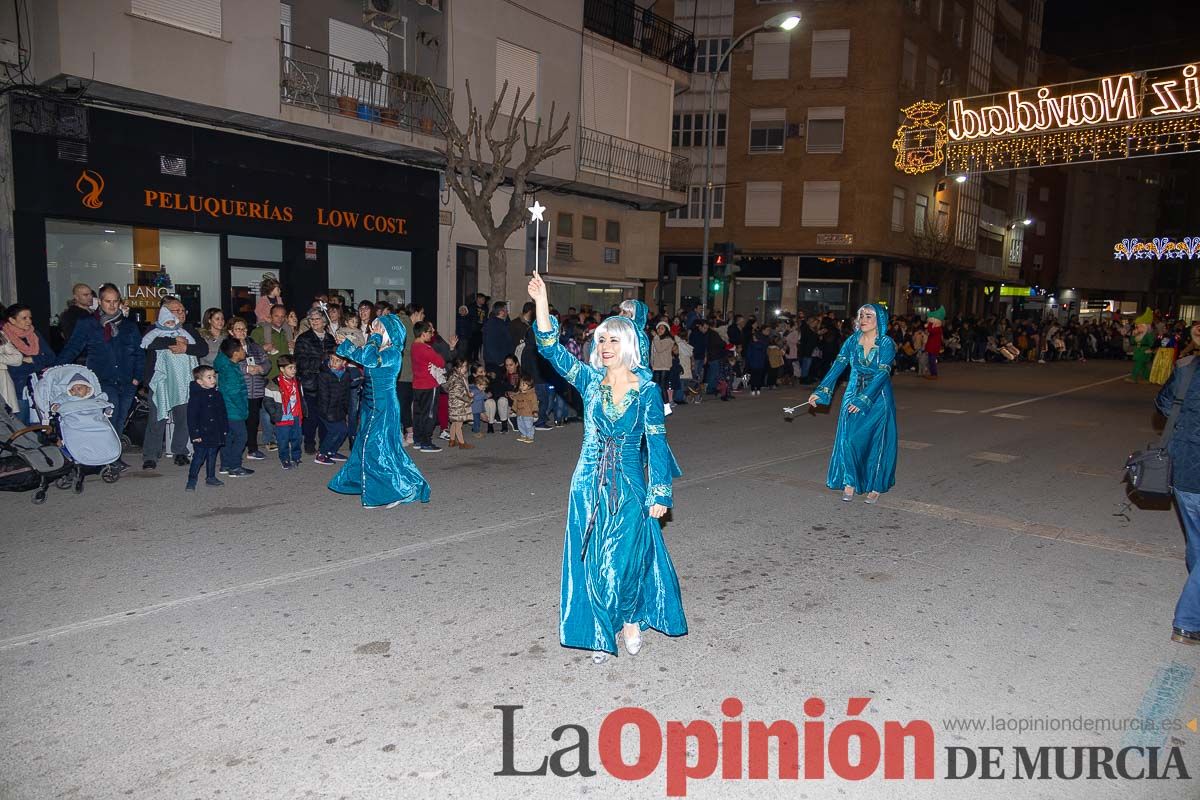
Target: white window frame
{"points": [[814, 190], [899, 205], [768, 119], [706, 59], [197, 16], [520, 59], [823, 114], [830, 43], [771, 56], [691, 213], [764, 192]]}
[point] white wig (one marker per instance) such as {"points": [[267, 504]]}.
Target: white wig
{"points": [[622, 329]]}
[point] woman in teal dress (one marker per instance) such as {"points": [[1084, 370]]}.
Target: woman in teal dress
{"points": [[379, 470], [864, 451], [616, 573]]}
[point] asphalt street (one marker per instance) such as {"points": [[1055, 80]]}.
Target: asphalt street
{"points": [[270, 639]]}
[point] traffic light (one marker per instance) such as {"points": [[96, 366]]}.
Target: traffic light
{"points": [[715, 285]]}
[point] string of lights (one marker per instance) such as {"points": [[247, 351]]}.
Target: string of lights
{"points": [[1160, 248]]}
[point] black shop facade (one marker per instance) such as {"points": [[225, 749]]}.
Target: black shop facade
{"points": [[160, 207]]}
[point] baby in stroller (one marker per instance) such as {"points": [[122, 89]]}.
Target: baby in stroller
{"points": [[68, 398]]}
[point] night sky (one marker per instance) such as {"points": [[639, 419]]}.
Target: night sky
{"points": [[1109, 37]]}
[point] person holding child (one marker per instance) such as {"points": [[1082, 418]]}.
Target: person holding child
{"points": [[207, 425], [617, 576], [379, 471]]}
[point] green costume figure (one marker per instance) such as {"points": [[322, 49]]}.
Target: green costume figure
{"points": [[1143, 346]]}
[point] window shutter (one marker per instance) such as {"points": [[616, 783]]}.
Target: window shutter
{"points": [[830, 54], [770, 56], [519, 67], [762, 203], [605, 94], [202, 16], [826, 126], [652, 98], [348, 44], [821, 200]]}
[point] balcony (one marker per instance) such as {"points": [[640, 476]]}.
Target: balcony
{"points": [[620, 158], [641, 30], [314, 79]]}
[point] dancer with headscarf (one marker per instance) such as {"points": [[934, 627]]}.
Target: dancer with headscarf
{"points": [[864, 451], [379, 470], [617, 575]]}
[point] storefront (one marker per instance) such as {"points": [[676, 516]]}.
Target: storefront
{"points": [[160, 208], [597, 294]]}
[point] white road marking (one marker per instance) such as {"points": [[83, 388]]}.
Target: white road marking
{"points": [[999, 458], [948, 411], [350, 563], [1056, 394], [908, 445], [1010, 416]]}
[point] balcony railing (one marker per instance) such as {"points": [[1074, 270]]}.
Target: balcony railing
{"points": [[621, 158], [324, 82], [641, 29]]}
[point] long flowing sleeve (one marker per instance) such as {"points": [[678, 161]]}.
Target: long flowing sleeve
{"points": [[882, 372], [662, 464], [576, 372], [366, 355], [824, 390]]}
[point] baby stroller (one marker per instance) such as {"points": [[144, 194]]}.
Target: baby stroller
{"points": [[28, 461], [69, 401]]}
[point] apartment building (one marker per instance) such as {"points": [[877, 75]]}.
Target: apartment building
{"points": [[198, 146], [804, 180]]}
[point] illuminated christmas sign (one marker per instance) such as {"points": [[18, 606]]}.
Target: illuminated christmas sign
{"points": [[1158, 249], [1150, 113]]}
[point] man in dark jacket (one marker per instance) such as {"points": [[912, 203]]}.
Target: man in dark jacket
{"points": [[152, 444], [312, 351], [714, 347], [497, 338], [82, 306], [698, 339], [112, 346], [1184, 447]]}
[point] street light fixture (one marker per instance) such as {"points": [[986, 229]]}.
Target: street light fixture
{"points": [[960, 179], [784, 21]]}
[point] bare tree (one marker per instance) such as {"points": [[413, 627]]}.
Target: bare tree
{"points": [[479, 161], [935, 256]]}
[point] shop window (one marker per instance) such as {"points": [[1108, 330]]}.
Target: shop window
{"points": [[367, 273], [253, 248], [612, 230], [589, 228], [566, 224], [612, 255]]}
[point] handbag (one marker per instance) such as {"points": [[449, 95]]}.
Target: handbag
{"points": [[1148, 471]]}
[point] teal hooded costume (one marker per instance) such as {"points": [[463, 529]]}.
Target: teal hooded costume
{"points": [[615, 568], [379, 470], [864, 451]]}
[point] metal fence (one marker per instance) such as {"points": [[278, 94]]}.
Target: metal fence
{"points": [[617, 157], [641, 29], [334, 85]]}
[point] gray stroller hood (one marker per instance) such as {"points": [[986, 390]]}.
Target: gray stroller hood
{"points": [[83, 423]]}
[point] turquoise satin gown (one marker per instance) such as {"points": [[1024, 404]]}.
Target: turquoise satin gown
{"points": [[864, 451], [645, 375], [615, 568], [378, 469]]}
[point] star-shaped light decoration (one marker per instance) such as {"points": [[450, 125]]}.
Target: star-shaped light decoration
{"points": [[536, 210]]}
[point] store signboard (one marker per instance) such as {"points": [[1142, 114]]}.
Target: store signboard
{"points": [[835, 238], [310, 250]]}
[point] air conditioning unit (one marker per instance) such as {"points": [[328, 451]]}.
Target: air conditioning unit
{"points": [[795, 130], [948, 78]]}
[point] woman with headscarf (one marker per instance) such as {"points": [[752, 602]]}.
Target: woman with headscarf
{"points": [[864, 451], [379, 470], [35, 352], [617, 577]]}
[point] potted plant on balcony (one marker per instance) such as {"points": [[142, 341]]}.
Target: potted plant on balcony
{"points": [[371, 70], [347, 105]]}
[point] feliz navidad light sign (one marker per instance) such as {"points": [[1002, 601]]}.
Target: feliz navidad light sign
{"points": [[1150, 113]]}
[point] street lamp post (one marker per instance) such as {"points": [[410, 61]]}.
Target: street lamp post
{"points": [[785, 21]]}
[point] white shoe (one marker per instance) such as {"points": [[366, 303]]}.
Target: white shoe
{"points": [[444, 434], [633, 646], [599, 657]]}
